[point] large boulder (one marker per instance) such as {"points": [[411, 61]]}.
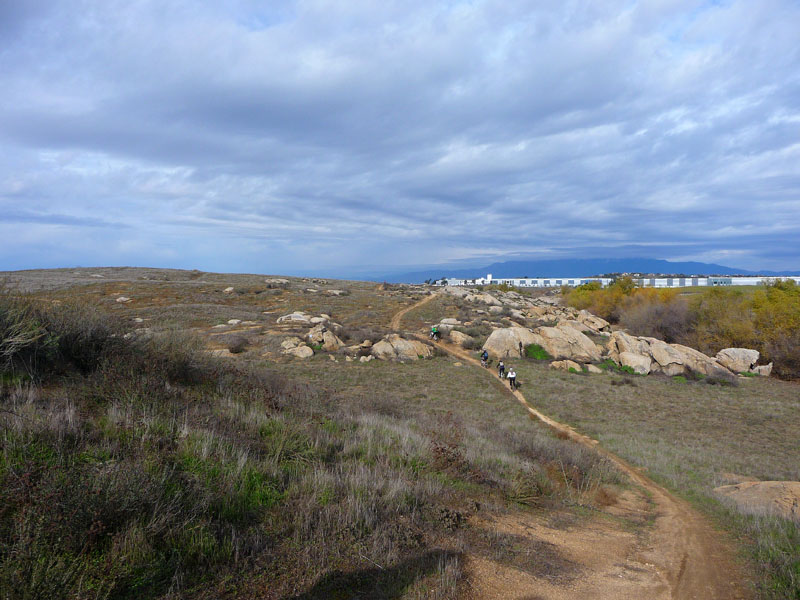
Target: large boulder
{"points": [[395, 347], [484, 298], [316, 334], [462, 339], [639, 363], [291, 342], [738, 360], [298, 317], [666, 359], [331, 343], [566, 342], [700, 363], [504, 343], [300, 351], [565, 365], [576, 325], [620, 342], [383, 350], [450, 321], [593, 321]]}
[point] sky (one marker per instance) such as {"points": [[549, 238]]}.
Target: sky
{"points": [[339, 137]]}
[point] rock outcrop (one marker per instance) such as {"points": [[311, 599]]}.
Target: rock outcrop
{"points": [[394, 347], [505, 343], [567, 343]]}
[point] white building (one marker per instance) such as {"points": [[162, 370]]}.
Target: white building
{"points": [[657, 282]]}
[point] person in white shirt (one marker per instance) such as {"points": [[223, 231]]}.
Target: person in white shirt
{"points": [[512, 378]]}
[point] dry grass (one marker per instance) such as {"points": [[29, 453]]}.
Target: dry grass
{"points": [[143, 469]]}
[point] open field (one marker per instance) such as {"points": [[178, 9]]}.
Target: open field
{"points": [[145, 468], [329, 460]]}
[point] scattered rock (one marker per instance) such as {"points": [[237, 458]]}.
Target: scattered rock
{"points": [[123, 299], [336, 293], [450, 321], [365, 359], [234, 321], [141, 320], [228, 290], [595, 370], [765, 497]]}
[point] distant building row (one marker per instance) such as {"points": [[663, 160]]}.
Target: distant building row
{"points": [[658, 282]]}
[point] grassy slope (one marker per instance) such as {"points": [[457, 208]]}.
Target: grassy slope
{"points": [[152, 472]]}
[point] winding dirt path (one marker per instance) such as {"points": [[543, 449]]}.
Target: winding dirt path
{"points": [[683, 556], [398, 317]]}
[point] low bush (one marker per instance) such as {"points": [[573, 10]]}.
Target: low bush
{"points": [[536, 352]]}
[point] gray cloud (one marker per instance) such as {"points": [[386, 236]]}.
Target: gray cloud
{"points": [[325, 134]]}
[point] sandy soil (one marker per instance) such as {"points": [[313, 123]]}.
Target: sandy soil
{"points": [[682, 557]]}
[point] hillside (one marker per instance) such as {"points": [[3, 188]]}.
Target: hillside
{"points": [[220, 465]]}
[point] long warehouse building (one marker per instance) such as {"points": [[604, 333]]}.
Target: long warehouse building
{"points": [[657, 282]]}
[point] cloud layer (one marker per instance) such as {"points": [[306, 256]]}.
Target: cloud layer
{"points": [[332, 136]]}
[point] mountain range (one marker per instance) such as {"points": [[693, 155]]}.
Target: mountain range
{"points": [[585, 267]]}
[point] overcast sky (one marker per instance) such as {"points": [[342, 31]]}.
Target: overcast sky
{"points": [[335, 136]]}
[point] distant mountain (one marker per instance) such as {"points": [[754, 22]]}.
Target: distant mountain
{"points": [[579, 267]]}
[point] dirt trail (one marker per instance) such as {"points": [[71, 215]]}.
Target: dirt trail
{"points": [[395, 322], [683, 557]]}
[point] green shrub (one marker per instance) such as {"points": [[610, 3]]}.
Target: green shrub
{"points": [[536, 352]]}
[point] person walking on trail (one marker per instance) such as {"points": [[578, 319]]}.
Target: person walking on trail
{"points": [[435, 332], [512, 378], [484, 358], [501, 370]]}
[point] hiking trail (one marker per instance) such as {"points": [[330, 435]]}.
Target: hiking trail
{"points": [[681, 557]]}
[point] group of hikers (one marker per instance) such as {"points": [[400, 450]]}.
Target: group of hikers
{"points": [[511, 376]]}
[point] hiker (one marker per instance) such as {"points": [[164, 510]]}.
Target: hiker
{"points": [[512, 378], [521, 350], [484, 359], [435, 332], [501, 370]]}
